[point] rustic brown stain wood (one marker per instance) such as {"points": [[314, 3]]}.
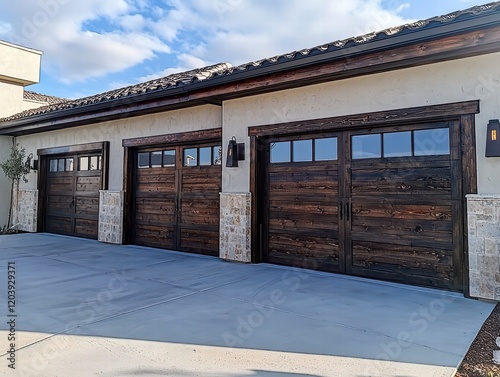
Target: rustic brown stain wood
{"points": [[69, 200], [302, 214], [175, 207], [202, 135], [469, 170], [74, 149], [400, 117], [72, 203], [405, 215], [383, 199], [128, 187], [155, 203], [199, 212]]}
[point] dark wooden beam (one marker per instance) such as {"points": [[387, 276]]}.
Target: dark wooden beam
{"points": [[42, 193], [105, 166], [385, 118], [202, 135], [469, 176], [128, 174], [255, 231], [81, 148]]}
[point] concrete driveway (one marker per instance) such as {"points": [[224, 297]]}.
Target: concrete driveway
{"points": [[89, 309]]}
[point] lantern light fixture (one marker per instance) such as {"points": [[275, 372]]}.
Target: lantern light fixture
{"points": [[235, 153], [493, 139], [31, 162]]}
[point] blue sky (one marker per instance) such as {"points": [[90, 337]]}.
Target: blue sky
{"points": [[92, 46]]}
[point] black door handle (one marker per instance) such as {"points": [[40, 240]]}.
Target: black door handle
{"points": [[347, 211], [73, 202], [341, 207]]}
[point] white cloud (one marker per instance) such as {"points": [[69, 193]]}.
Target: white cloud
{"points": [[239, 31], [186, 63], [94, 55], [73, 51], [242, 30], [85, 39], [133, 22]]}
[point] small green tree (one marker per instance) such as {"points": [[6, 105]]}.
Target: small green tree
{"points": [[16, 167]]}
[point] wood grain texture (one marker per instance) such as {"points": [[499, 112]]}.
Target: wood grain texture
{"points": [[72, 202], [387, 218], [302, 214], [176, 207], [398, 117], [69, 201], [199, 209], [202, 135], [469, 170]]}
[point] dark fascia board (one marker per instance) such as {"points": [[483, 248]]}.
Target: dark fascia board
{"points": [[432, 32], [75, 119]]}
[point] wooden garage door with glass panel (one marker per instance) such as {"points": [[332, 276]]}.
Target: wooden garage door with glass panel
{"points": [[72, 189], [383, 203], [176, 197]]}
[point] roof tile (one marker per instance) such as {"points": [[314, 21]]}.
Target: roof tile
{"points": [[174, 80], [34, 96]]}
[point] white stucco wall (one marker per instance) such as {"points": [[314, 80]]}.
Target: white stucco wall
{"points": [[19, 64], [11, 99], [19, 67], [454, 81], [5, 183], [185, 120]]}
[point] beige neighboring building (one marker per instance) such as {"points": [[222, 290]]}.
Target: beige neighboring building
{"points": [[365, 157], [19, 68]]}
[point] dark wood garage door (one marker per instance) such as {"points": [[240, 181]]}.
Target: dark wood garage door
{"points": [[72, 194], [302, 202], [383, 203], [176, 198]]}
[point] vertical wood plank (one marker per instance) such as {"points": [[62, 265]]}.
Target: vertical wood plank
{"points": [[468, 145], [128, 186], [345, 254], [469, 177], [254, 228], [43, 168]]}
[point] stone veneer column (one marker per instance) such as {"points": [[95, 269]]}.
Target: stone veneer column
{"points": [[111, 216], [27, 210], [484, 246], [235, 226]]}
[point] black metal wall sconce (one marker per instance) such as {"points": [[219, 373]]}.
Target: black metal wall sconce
{"points": [[30, 160], [235, 153], [493, 139]]}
